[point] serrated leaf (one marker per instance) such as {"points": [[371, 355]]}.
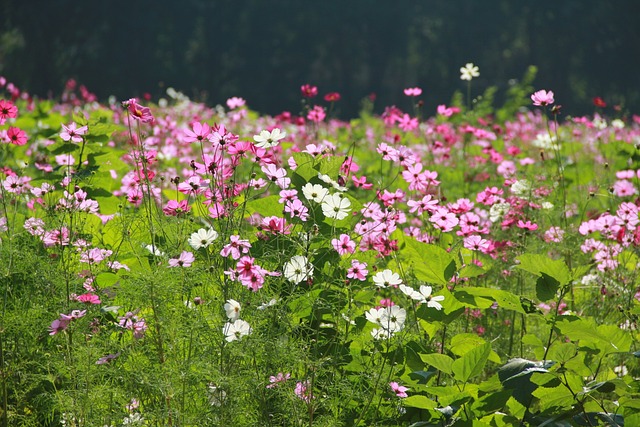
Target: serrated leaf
{"points": [[430, 263], [472, 363], [555, 272]]}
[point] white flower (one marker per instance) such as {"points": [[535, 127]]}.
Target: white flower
{"points": [[236, 330], [217, 396], [498, 210], [379, 334], [268, 139], [545, 141], [424, 296], [393, 318], [336, 206], [374, 315], [266, 305], [298, 269], [521, 187], [203, 238], [154, 250], [232, 307], [617, 124], [547, 205], [387, 278], [469, 71], [315, 192]]}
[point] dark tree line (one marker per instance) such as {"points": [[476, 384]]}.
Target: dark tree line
{"points": [[264, 50]]}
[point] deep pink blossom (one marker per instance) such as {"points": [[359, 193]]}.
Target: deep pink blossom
{"points": [[17, 136], [7, 111], [137, 111]]}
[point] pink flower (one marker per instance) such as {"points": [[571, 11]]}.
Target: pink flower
{"points": [[184, 260], [235, 102], [316, 114], [137, 111], [296, 209], [278, 379], [358, 270], [174, 208], [235, 246], [7, 110], [332, 97], [89, 298], [542, 98], [444, 220], [443, 110], [303, 391], [344, 245], [200, 132], [527, 225], [277, 175], [17, 136], [58, 325], [400, 391], [476, 243], [309, 91], [407, 123], [73, 133], [413, 91]]}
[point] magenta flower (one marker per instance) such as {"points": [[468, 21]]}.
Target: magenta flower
{"points": [[400, 391], [89, 298], [309, 91], [73, 132], [542, 98], [174, 208], [297, 209], [332, 97], [184, 260], [137, 111], [17, 136], [235, 102], [7, 110], [316, 114]]}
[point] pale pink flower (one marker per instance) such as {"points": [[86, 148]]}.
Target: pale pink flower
{"points": [[73, 132], [201, 132], [400, 391], [344, 245], [303, 391], [358, 270], [542, 98], [184, 260], [235, 247]]}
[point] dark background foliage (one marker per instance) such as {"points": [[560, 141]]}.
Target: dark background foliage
{"points": [[264, 50]]}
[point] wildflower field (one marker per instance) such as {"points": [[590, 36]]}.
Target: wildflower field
{"points": [[168, 263]]}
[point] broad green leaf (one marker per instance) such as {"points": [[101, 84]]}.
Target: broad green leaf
{"points": [[614, 339], [485, 297], [541, 265], [463, 343], [472, 363], [562, 352], [441, 362], [546, 287], [429, 263], [418, 401], [265, 206]]}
